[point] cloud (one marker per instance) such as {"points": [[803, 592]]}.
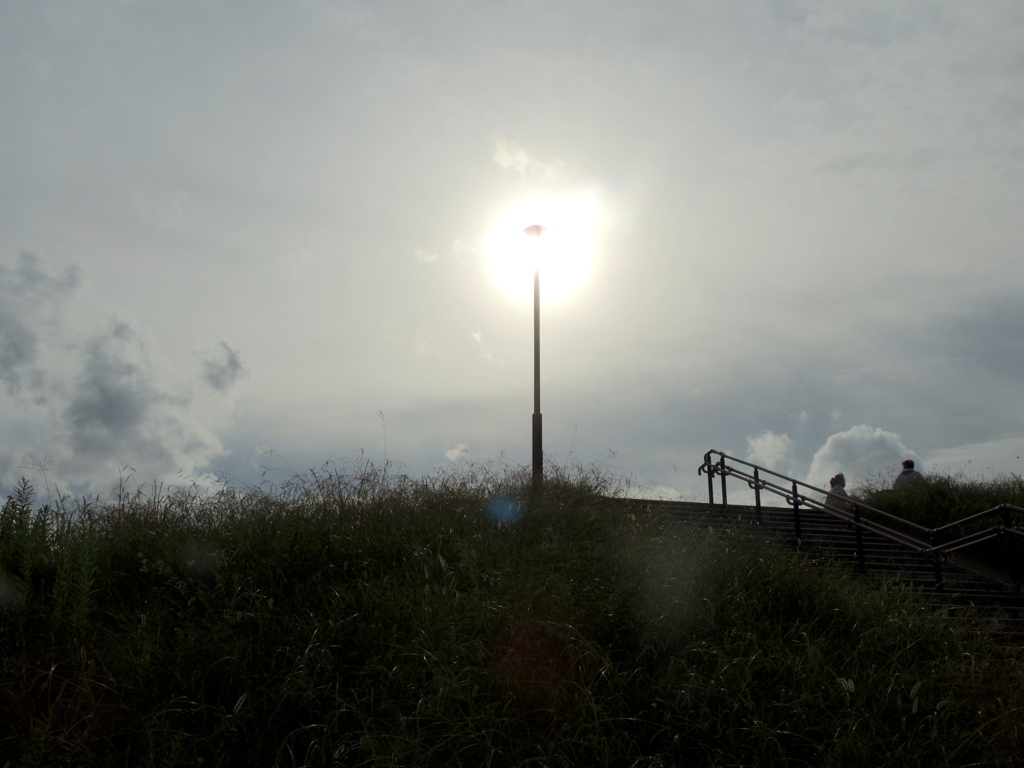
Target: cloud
{"points": [[459, 250], [511, 156], [991, 458], [422, 345], [223, 366], [485, 352], [17, 349], [122, 410], [462, 248], [29, 295], [113, 393], [769, 449], [461, 450], [860, 452], [420, 341], [94, 396]]}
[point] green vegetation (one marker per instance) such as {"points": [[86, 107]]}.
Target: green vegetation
{"points": [[365, 619], [939, 500]]}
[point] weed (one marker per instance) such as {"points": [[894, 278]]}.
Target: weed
{"points": [[362, 617], [938, 500]]}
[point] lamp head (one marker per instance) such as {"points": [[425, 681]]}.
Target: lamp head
{"points": [[556, 235]]}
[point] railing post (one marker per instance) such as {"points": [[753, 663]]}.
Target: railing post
{"points": [[937, 562], [711, 477], [721, 465], [1004, 546], [796, 513], [860, 539], [1009, 552], [757, 495]]}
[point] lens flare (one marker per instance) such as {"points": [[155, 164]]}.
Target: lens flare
{"points": [[504, 509]]}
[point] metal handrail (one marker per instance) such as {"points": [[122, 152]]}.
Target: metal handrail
{"points": [[975, 516], [937, 552], [882, 513], [896, 536]]}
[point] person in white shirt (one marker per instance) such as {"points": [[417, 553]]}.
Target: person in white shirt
{"points": [[908, 475]]}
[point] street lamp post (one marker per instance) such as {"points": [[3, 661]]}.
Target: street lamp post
{"points": [[536, 230]]}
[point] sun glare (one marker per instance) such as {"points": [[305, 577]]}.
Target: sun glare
{"points": [[563, 252]]}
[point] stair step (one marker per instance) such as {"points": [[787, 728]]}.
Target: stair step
{"points": [[964, 593]]}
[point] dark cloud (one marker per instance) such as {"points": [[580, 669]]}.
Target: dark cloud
{"points": [[27, 293], [222, 367], [114, 393], [31, 276], [17, 349], [96, 398]]}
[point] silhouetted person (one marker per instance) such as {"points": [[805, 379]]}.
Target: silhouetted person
{"points": [[837, 495], [908, 475]]}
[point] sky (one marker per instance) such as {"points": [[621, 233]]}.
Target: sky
{"points": [[242, 240]]}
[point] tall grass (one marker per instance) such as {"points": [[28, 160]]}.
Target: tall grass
{"points": [[939, 500], [361, 618]]}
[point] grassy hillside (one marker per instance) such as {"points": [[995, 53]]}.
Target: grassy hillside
{"points": [[939, 500], [360, 619]]}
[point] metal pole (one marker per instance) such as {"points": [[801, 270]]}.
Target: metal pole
{"points": [[711, 477], [538, 451], [757, 495], [796, 512], [725, 498], [860, 539]]}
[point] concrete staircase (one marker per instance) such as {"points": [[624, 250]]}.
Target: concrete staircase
{"points": [[963, 593]]}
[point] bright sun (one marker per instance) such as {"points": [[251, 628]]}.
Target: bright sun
{"points": [[563, 252]]}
